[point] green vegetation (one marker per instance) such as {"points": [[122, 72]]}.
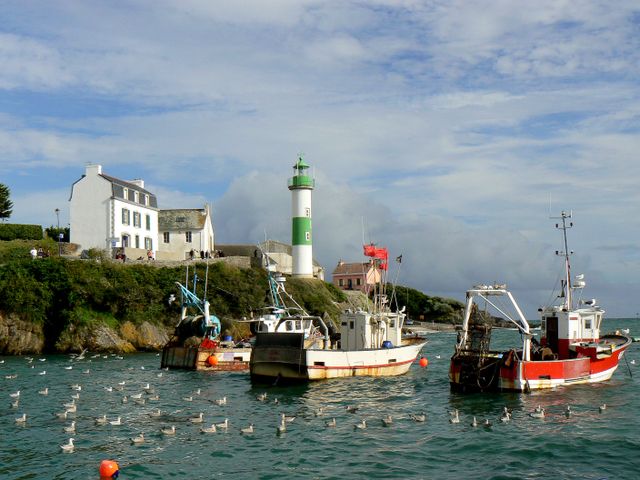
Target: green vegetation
{"points": [[424, 307], [14, 231], [6, 205], [56, 292]]}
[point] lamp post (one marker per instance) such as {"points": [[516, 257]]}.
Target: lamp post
{"points": [[57, 210]]}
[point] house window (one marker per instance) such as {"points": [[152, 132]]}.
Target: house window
{"points": [[125, 193], [307, 236], [148, 244], [358, 282], [340, 282], [136, 219], [125, 240], [136, 197], [137, 241], [165, 237], [148, 221], [126, 218], [187, 237], [307, 212], [143, 200]]}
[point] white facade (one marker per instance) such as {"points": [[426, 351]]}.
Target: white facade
{"points": [[181, 231], [106, 212]]}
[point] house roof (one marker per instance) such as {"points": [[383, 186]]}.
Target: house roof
{"points": [[182, 219], [124, 183], [118, 187], [352, 268]]}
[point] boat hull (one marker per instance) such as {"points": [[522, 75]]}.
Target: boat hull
{"points": [[294, 363], [196, 358], [504, 372]]}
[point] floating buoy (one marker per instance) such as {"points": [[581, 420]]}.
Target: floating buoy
{"points": [[212, 360], [109, 469], [424, 362]]}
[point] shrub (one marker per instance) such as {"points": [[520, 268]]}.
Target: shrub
{"points": [[16, 231]]}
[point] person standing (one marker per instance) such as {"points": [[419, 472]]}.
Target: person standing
{"points": [[34, 253]]}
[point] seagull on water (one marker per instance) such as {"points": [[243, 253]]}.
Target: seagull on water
{"points": [[330, 423], [138, 439], [168, 431], [221, 401], [71, 428], [287, 418], [44, 391], [224, 425], [262, 397], [537, 413], [319, 412], [43, 372], [155, 413], [351, 409], [22, 420], [15, 394], [387, 420], [15, 404], [198, 419], [602, 407], [62, 415], [68, 448], [247, 430], [211, 429], [282, 428], [419, 417], [568, 412], [101, 420], [455, 416], [117, 421], [361, 425]]}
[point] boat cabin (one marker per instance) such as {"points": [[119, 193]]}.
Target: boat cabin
{"points": [[563, 330], [362, 330]]}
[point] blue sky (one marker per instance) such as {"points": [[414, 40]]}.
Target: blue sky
{"points": [[447, 128]]}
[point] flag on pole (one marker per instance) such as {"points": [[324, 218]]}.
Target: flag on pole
{"points": [[399, 259]]}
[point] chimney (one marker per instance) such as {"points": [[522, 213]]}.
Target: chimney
{"points": [[138, 182], [93, 169]]}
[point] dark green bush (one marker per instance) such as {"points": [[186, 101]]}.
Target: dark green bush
{"points": [[16, 231]]}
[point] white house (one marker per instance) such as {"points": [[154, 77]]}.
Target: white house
{"points": [[106, 212], [185, 230]]}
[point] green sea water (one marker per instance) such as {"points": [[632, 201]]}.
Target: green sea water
{"points": [[587, 445]]}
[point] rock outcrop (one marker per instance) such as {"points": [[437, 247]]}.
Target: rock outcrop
{"points": [[145, 336], [18, 336]]}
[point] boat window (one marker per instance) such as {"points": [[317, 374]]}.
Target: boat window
{"points": [[392, 323], [351, 324], [289, 325], [587, 323], [298, 325]]}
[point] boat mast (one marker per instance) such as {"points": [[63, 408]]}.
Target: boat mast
{"points": [[566, 287]]}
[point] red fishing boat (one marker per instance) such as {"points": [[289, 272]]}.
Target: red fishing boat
{"points": [[570, 349]]}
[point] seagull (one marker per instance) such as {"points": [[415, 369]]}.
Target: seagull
{"points": [[262, 397], [168, 431], [568, 412], [474, 423], [101, 420], [288, 419], [42, 359], [117, 421], [487, 423], [248, 429], [330, 423], [361, 425], [221, 401], [22, 420], [155, 413], [632, 362], [125, 399], [506, 415], [136, 395], [44, 391], [211, 429], [319, 412], [387, 421], [67, 448], [122, 383], [282, 427], [86, 371], [197, 392], [455, 417], [15, 395], [224, 425], [537, 413], [154, 398], [43, 372], [437, 357], [68, 367], [15, 404], [419, 417], [109, 389], [70, 428], [62, 415], [198, 419], [147, 387], [602, 407], [139, 439], [187, 399], [70, 405], [75, 396], [77, 387], [351, 409]]}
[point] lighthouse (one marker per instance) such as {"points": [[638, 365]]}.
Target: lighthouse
{"points": [[301, 185]]}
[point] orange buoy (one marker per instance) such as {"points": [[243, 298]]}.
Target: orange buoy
{"points": [[212, 360], [424, 362], [109, 469]]}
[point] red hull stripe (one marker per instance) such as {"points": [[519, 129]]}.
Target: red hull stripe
{"points": [[358, 367]]}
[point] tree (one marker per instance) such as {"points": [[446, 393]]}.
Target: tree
{"points": [[6, 205]]}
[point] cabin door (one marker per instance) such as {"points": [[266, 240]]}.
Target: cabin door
{"points": [[552, 333]]}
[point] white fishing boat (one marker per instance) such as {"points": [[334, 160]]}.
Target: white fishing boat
{"points": [[570, 350], [303, 347]]}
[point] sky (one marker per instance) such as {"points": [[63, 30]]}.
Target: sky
{"points": [[448, 131]]}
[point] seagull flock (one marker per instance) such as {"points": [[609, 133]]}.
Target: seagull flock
{"points": [[211, 415]]}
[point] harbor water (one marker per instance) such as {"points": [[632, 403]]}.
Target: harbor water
{"points": [[589, 444]]}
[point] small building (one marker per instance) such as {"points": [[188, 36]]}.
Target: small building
{"points": [[108, 213], [185, 231], [355, 276]]}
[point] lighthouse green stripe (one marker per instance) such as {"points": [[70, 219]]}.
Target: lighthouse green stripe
{"points": [[299, 228]]}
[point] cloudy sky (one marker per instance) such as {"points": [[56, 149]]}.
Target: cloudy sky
{"points": [[445, 130]]}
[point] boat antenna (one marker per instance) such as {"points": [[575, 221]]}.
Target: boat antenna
{"points": [[566, 288], [206, 280]]}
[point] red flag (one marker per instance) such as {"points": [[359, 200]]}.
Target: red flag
{"points": [[384, 266]]}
